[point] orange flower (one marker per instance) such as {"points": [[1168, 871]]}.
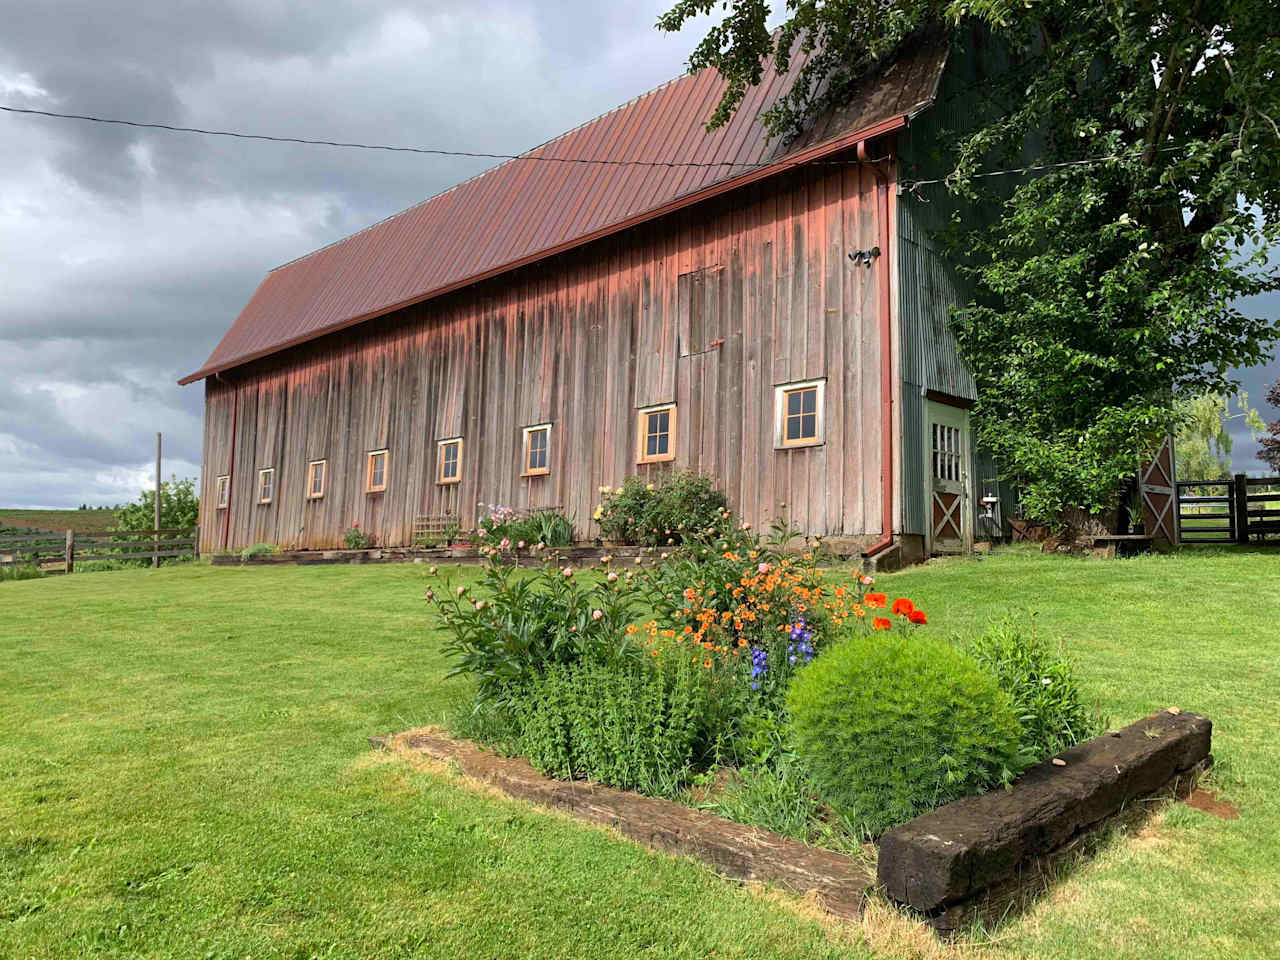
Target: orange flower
{"points": [[632, 628], [902, 607], [876, 599], [653, 652], [880, 623], [917, 616], [707, 664]]}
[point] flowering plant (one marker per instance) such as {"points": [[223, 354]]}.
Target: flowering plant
{"points": [[515, 623], [356, 539], [680, 506], [747, 609]]}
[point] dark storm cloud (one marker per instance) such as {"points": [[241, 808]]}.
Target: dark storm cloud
{"points": [[125, 254]]}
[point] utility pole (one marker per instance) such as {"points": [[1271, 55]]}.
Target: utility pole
{"points": [[155, 543]]}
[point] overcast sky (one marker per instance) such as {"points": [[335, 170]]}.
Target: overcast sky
{"points": [[126, 254]]}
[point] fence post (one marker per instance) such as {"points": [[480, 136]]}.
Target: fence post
{"points": [[1240, 507], [70, 555], [155, 543]]}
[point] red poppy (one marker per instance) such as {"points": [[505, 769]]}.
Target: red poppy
{"points": [[876, 599], [917, 616], [881, 623], [902, 607]]}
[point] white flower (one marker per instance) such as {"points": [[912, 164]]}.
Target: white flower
{"points": [[1046, 681], [431, 570], [479, 604], [612, 576], [567, 571], [597, 614], [461, 591]]}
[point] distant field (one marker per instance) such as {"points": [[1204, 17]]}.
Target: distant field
{"points": [[81, 521]]}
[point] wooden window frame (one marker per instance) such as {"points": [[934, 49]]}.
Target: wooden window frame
{"points": [[368, 471], [642, 433], [784, 390], [324, 478], [271, 495], [222, 492], [440, 457], [527, 450]]}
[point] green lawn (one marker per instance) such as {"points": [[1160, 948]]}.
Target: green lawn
{"points": [[185, 774]]}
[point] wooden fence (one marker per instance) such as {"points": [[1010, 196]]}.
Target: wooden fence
{"points": [[1229, 511], [55, 551]]}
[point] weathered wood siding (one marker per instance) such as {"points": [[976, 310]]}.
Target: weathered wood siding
{"points": [[581, 341]]}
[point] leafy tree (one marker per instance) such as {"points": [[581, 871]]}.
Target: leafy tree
{"points": [[179, 507], [1145, 145], [1203, 445], [1270, 452]]}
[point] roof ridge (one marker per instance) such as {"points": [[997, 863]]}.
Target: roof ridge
{"points": [[485, 172]]}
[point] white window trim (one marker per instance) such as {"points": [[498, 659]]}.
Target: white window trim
{"points": [[222, 485], [368, 471], [642, 433], [262, 473], [524, 450], [440, 445], [780, 414], [324, 478]]}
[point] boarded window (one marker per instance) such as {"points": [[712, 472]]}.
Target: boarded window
{"points": [[224, 491], [799, 414], [537, 450], [376, 474], [699, 304], [266, 484], [450, 460], [656, 434], [315, 479]]}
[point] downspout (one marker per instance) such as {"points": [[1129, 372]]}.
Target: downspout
{"points": [[886, 360], [231, 467]]}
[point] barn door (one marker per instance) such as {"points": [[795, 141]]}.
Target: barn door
{"points": [[949, 489], [1159, 490]]}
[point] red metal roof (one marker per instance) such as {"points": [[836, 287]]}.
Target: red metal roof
{"points": [[527, 209]]}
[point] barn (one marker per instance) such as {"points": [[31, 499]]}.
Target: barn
{"points": [[772, 314]]}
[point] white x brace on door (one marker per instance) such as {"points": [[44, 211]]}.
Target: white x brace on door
{"points": [[949, 484]]}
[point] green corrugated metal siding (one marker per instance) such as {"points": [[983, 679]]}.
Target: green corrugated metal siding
{"points": [[928, 287]]}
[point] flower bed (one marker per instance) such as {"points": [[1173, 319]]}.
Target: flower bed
{"points": [[735, 675]]}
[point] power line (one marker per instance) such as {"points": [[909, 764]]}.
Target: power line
{"points": [[376, 146], [906, 184]]}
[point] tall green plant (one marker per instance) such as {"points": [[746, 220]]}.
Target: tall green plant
{"points": [[179, 507]]}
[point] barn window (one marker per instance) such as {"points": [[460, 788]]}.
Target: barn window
{"points": [[224, 492], [947, 454], [266, 484], [537, 450], [315, 479], [799, 414], [450, 460], [656, 434], [376, 474]]}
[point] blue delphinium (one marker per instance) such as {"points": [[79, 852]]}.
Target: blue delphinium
{"points": [[759, 666], [800, 650]]}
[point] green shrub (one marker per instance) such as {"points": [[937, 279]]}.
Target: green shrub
{"points": [[631, 723], [518, 622], [258, 550], [356, 539], [891, 726], [1043, 686], [179, 507], [682, 505]]}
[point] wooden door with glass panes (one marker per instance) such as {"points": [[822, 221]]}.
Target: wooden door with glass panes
{"points": [[949, 488]]}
